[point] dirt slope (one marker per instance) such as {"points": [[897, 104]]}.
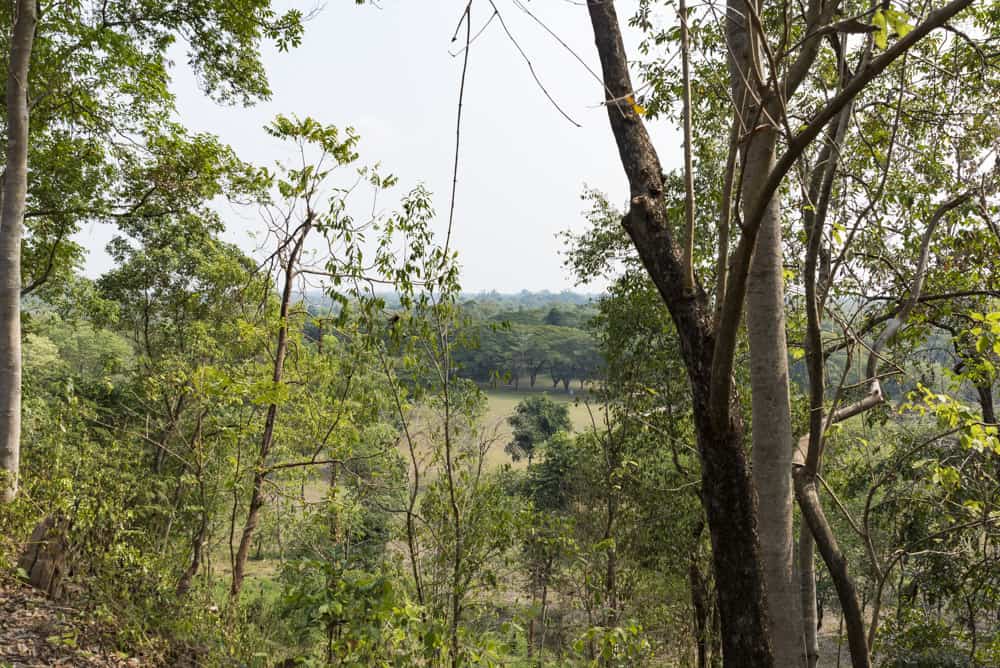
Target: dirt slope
{"points": [[35, 631]]}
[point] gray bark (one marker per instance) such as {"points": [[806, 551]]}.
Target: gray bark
{"points": [[15, 188], [772, 422], [765, 319], [810, 610]]}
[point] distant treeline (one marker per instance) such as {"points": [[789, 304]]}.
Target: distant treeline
{"points": [[515, 339], [517, 346]]}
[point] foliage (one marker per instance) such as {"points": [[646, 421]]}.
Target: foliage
{"points": [[535, 421]]}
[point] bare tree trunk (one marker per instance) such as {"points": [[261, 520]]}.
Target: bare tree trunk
{"points": [[765, 321], [700, 608], [197, 545], [812, 514], [543, 613], [727, 494], [985, 392], [267, 439], [807, 575], [772, 422], [15, 189]]}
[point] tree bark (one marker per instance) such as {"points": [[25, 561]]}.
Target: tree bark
{"points": [[197, 545], [765, 321], [985, 392], [836, 563], [701, 611], [15, 189], [772, 421], [45, 558], [810, 610], [727, 495]]}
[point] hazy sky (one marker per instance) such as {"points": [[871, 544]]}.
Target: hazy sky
{"points": [[388, 73]]}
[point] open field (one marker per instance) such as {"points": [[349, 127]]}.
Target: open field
{"points": [[502, 403]]}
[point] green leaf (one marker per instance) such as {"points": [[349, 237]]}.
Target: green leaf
{"points": [[882, 34]]}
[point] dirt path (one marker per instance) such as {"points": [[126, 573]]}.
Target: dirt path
{"points": [[35, 631]]}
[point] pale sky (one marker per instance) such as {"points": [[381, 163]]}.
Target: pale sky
{"points": [[388, 73]]}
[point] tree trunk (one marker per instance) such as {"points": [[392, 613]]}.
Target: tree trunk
{"points": [[810, 610], [727, 495], [15, 189], [267, 439], [730, 508], [611, 572], [985, 393], [544, 611], [765, 321], [197, 548], [772, 422], [812, 515], [45, 558], [701, 611]]}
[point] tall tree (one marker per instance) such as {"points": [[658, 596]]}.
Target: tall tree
{"points": [[90, 73], [15, 187], [762, 92]]}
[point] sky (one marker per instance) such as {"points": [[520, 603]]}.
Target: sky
{"points": [[388, 71]]}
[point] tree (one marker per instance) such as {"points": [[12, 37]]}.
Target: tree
{"points": [[15, 187], [535, 420], [90, 58], [708, 336]]}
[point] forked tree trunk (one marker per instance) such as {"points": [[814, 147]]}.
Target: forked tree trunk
{"points": [[15, 189], [197, 549], [727, 494]]}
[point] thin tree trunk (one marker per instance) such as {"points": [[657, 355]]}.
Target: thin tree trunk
{"points": [[701, 611], [812, 514], [689, 203], [544, 611], [201, 535], [15, 189], [267, 439], [611, 572], [535, 576], [196, 556], [986, 403], [807, 575]]}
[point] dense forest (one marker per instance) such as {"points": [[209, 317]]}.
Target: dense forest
{"points": [[763, 433]]}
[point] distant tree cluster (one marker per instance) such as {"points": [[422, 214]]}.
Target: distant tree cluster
{"points": [[506, 347]]}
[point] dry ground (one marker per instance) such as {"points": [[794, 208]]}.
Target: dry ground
{"points": [[37, 632]]}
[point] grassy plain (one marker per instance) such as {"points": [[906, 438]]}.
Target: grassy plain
{"points": [[502, 403]]}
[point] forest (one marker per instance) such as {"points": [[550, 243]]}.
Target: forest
{"points": [[762, 432]]}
